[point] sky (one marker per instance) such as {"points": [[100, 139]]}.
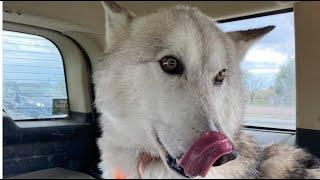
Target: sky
{"points": [[267, 55], [31, 59]]}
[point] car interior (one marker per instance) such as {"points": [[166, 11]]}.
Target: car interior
{"points": [[51, 49]]}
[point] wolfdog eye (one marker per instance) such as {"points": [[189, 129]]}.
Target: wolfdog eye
{"points": [[220, 77], [171, 65]]}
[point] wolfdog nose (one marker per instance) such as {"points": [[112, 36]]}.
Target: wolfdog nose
{"points": [[226, 158]]}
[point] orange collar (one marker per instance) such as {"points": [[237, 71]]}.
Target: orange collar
{"points": [[118, 174], [143, 160]]}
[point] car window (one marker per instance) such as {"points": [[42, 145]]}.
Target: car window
{"points": [[269, 72], [34, 85]]}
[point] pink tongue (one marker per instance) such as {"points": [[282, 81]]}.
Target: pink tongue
{"points": [[203, 153]]}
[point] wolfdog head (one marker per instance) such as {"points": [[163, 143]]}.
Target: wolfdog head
{"points": [[169, 77]]}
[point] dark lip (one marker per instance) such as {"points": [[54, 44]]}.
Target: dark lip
{"points": [[171, 161]]}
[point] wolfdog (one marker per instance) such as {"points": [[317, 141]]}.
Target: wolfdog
{"points": [[171, 101]]}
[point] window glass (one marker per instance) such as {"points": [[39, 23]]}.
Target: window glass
{"points": [[33, 78], [269, 72]]}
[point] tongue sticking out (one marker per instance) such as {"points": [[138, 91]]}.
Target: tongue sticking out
{"points": [[204, 152]]}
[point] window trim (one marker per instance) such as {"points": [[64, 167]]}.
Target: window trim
{"points": [[268, 13], [91, 88], [69, 115]]}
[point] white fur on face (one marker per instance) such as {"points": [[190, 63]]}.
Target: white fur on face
{"points": [[138, 101]]}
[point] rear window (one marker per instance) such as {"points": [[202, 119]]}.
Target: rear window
{"points": [[33, 78]]}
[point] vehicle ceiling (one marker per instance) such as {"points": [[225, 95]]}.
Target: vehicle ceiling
{"points": [[88, 17]]}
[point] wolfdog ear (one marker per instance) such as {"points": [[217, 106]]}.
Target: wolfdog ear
{"points": [[244, 39], [117, 21]]}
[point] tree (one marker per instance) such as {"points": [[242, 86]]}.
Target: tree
{"points": [[252, 84], [285, 84]]}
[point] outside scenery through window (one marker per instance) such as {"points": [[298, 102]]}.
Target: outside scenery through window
{"points": [[33, 78], [269, 72]]}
